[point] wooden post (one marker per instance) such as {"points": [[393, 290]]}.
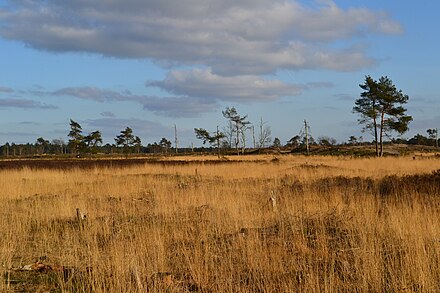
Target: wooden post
{"points": [[175, 138], [306, 127]]}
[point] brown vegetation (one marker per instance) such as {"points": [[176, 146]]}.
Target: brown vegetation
{"points": [[203, 225]]}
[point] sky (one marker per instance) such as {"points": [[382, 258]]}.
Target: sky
{"points": [[153, 64]]}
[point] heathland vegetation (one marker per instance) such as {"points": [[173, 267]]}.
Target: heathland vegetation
{"points": [[239, 224], [258, 216]]}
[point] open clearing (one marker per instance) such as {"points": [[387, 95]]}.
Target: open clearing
{"points": [[238, 224]]}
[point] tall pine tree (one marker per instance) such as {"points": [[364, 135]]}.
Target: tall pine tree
{"points": [[381, 109]]}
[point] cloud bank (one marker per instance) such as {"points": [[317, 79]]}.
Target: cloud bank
{"points": [[194, 92], [232, 37], [231, 49], [164, 106], [24, 104], [203, 83]]}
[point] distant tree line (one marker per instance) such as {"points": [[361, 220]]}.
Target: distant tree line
{"points": [[380, 108], [59, 147], [82, 145]]}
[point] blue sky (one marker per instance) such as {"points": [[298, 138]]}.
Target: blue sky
{"points": [[155, 63]]}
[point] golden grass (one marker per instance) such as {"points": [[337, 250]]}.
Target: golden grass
{"points": [[205, 225]]}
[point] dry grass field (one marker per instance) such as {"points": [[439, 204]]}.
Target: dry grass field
{"points": [[238, 224]]}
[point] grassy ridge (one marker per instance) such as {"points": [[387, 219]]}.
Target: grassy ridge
{"points": [[340, 224]]}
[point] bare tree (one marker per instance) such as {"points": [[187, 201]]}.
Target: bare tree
{"points": [[243, 130], [229, 132], [264, 135]]}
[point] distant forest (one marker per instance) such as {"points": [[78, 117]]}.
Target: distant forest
{"points": [[43, 147]]}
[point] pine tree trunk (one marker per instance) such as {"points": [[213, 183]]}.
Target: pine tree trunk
{"points": [[381, 133], [375, 137]]}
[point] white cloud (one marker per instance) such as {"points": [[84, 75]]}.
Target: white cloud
{"points": [[202, 83], [231, 37], [329, 23]]}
